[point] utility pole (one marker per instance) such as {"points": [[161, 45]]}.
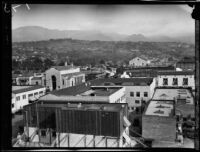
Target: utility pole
{"points": [[196, 15]]}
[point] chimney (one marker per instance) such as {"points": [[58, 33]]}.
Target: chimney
{"points": [[66, 63]]}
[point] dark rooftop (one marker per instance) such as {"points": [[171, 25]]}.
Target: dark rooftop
{"points": [[159, 68], [21, 89], [187, 60], [71, 90], [122, 81], [176, 73], [82, 106], [36, 78]]}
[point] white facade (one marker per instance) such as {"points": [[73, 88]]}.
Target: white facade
{"points": [[180, 79], [21, 99], [61, 80], [138, 62]]}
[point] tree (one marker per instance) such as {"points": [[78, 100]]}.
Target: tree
{"points": [[48, 63]]}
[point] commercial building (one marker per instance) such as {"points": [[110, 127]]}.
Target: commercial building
{"points": [[176, 79], [23, 95], [59, 77], [137, 90], [76, 125]]}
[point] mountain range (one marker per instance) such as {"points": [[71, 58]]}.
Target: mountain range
{"points": [[37, 33]]}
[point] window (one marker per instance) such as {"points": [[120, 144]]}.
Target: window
{"points": [[30, 95], [132, 108], [137, 94], [24, 96], [63, 82], [36, 93], [132, 94], [165, 81], [185, 81], [137, 101], [175, 81], [145, 94], [41, 92], [18, 98], [12, 105]]}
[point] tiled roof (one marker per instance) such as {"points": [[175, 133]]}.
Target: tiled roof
{"points": [[25, 89], [176, 73], [62, 68]]}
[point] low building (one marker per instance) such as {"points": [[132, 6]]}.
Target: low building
{"points": [[138, 62], [25, 78], [23, 95], [159, 121], [176, 79], [166, 114], [88, 94], [137, 90], [77, 125], [38, 81], [183, 97], [59, 77]]}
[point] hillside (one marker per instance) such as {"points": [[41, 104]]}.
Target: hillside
{"points": [[93, 51], [37, 33]]}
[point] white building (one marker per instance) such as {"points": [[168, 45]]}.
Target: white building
{"points": [[136, 89], [138, 62], [86, 93], [38, 79], [23, 95], [176, 79], [59, 77]]}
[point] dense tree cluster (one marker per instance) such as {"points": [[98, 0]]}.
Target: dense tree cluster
{"points": [[32, 63]]}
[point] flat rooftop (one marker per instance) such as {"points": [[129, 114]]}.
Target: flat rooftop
{"points": [[171, 93], [160, 108], [176, 73], [85, 90], [21, 89]]}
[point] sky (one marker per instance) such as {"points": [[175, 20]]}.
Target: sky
{"points": [[122, 19]]}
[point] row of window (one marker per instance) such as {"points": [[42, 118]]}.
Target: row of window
{"points": [[175, 81], [138, 94], [30, 95]]}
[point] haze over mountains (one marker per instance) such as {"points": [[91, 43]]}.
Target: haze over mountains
{"points": [[37, 33]]}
